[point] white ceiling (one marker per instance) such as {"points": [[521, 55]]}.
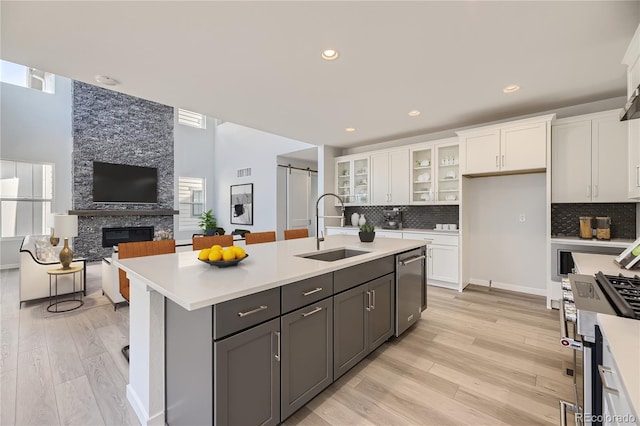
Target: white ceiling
{"points": [[258, 63]]}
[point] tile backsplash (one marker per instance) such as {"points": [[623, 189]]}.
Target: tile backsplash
{"points": [[420, 217], [565, 222]]}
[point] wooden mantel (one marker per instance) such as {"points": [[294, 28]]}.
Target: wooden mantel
{"points": [[130, 212]]}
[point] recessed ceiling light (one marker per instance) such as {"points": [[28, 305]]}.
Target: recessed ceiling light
{"points": [[511, 88], [414, 113], [330, 54], [350, 129], [107, 81]]}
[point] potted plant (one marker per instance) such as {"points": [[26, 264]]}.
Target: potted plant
{"points": [[208, 223], [367, 233]]}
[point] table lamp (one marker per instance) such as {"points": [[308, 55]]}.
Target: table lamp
{"points": [[66, 226]]}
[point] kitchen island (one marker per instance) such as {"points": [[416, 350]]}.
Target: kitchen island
{"points": [[187, 289]]}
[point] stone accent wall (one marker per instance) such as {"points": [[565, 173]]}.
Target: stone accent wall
{"points": [[116, 128], [421, 217]]}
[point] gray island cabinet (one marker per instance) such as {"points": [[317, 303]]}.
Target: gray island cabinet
{"points": [[252, 344], [273, 351]]}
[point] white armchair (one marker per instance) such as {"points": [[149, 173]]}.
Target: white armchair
{"points": [[37, 256]]}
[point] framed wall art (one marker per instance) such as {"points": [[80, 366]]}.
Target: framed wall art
{"points": [[242, 204]]}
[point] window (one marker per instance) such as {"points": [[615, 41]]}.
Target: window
{"points": [[22, 76], [193, 119], [26, 192], [191, 202]]}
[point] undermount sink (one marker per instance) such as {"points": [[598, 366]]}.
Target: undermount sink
{"points": [[333, 255]]}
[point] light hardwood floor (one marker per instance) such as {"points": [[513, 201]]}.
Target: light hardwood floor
{"points": [[483, 356]]}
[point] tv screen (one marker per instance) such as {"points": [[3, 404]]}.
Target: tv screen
{"points": [[119, 183]]}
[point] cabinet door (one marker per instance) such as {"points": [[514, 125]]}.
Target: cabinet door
{"points": [[307, 354], [247, 369], [443, 263], [399, 177], [481, 152], [609, 150], [634, 158], [523, 147], [381, 310], [571, 162], [350, 329], [380, 179], [344, 178]]}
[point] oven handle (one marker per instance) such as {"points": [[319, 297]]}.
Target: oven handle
{"points": [[565, 340]]}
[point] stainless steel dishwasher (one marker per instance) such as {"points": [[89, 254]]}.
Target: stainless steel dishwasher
{"points": [[411, 297]]}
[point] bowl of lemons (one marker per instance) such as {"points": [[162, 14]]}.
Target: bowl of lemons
{"points": [[222, 257]]}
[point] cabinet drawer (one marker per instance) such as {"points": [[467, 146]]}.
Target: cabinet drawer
{"points": [[307, 291], [442, 239], [344, 279], [247, 311]]}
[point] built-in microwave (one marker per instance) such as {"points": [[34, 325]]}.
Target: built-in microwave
{"points": [[562, 262]]}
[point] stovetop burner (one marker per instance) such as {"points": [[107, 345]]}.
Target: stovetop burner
{"points": [[624, 293]]}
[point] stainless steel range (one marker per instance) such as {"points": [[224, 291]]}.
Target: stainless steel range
{"points": [[584, 296]]}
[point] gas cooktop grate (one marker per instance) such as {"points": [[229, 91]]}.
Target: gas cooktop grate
{"points": [[624, 293]]}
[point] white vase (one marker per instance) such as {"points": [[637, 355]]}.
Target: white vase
{"points": [[354, 219], [362, 220]]}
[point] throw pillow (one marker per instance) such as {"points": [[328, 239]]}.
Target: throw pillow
{"points": [[44, 250]]}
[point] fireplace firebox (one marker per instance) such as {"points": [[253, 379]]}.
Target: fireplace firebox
{"points": [[113, 236]]}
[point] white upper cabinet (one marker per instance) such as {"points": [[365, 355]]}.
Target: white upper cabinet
{"points": [[352, 179], [435, 172], [390, 177], [514, 147], [632, 61], [588, 159]]}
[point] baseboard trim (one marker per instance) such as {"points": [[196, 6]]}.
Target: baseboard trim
{"points": [[510, 287], [155, 420], [10, 266]]}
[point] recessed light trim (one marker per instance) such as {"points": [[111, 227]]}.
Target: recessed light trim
{"points": [[350, 129], [511, 88], [330, 54], [107, 81], [414, 113]]}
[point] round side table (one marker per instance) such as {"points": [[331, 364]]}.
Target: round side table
{"points": [[55, 273]]}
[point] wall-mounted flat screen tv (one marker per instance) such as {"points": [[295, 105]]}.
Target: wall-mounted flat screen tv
{"points": [[120, 183]]}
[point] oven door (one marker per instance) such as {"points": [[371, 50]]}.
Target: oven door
{"points": [[568, 339]]}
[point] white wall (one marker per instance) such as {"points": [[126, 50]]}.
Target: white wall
{"points": [[36, 127], [499, 247], [238, 147], [194, 157]]}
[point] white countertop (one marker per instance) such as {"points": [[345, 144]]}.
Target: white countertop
{"points": [[431, 231], [193, 284], [590, 264], [623, 336], [614, 242]]}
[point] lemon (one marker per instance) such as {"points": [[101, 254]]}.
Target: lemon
{"points": [[215, 255], [204, 254], [239, 251], [228, 254], [216, 247]]}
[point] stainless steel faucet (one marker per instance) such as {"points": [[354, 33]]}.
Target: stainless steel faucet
{"points": [[318, 237]]}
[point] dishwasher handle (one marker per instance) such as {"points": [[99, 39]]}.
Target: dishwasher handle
{"points": [[412, 259]]}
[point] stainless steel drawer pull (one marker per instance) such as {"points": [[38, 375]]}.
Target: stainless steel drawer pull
{"points": [[413, 259], [497, 162], [368, 308], [317, 309], [373, 299], [253, 311], [603, 370], [307, 293], [277, 356]]}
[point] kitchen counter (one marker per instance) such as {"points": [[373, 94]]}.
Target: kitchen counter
{"points": [[622, 243], [379, 228], [193, 284], [623, 337], [590, 264]]}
